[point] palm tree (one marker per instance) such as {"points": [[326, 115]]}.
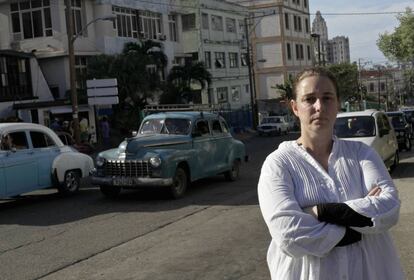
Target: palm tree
{"points": [[185, 77]]}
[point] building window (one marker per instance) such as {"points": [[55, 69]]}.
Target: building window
{"points": [[247, 89], [244, 59], [220, 59], [371, 87], [172, 24], [287, 20], [126, 23], [150, 25], [289, 51], [31, 19], [309, 52], [15, 78], [77, 16], [301, 52], [299, 24], [207, 59], [222, 94], [230, 25], [305, 3], [306, 25], [217, 23], [297, 51], [81, 66], [204, 21], [233, 60], [382, 84], [188, 22], [235, 94]]}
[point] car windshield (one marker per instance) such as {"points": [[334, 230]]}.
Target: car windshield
{"points": [[271, 120], [354, 126], [165, 126]]}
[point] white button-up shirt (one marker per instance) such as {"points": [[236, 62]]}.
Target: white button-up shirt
{"points": [[304, 248]]}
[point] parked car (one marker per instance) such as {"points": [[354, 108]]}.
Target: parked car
{"points": [[273, 125], [374, 129], [402, 129], [170, 150], [409, 116], [68, 140], [33, 157]]}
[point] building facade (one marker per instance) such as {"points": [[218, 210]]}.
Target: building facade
{"points": [[320, 28], [202, 30], [279, 36], [338, 50]]}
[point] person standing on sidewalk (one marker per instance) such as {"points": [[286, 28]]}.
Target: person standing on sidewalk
{"points": [[105, 130], [328, 203]]}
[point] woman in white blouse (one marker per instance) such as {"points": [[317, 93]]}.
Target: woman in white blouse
{"points": [[328, 203]]}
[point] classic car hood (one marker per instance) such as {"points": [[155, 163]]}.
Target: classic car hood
{"points": [[155, 141]]}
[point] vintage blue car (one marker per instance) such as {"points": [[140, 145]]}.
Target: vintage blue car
{"points": [[171, 150], [33, 157]]}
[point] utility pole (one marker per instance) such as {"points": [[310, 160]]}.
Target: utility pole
{"points": [[72, 77], [249, 65], [379, 89]]}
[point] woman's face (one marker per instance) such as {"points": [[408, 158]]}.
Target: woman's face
{"points": [[316, 103]]}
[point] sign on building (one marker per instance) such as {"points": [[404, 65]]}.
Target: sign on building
{"points": [[102, 91]]}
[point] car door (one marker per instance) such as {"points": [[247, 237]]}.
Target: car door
{"points": [[387, 138], [221, 146], [204, 149], [44, 150], [19, 165]]}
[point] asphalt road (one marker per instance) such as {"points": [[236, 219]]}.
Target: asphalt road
{"points": [[215, 232]]}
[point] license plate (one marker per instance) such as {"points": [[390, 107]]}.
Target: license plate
{"points": [[123, 181]]}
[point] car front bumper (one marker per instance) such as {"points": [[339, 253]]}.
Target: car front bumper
{"points": [[131, 182]]}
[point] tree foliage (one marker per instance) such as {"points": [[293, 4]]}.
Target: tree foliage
{"points": [[135, 82], [346, 75], [399, 45], [181, 81]]}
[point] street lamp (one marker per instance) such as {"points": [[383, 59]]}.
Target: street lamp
{"points": [[379, 88], [71, 39], [318, 36]]}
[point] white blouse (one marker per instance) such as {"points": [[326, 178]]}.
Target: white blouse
{"points": [[304, 248]]}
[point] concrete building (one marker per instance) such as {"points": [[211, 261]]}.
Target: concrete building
{"points": [[279, 32], [333, 51], [320, 28], [205, 30], [338, 50]]}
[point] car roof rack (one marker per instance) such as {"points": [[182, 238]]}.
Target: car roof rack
{"points": [[159, 108]]}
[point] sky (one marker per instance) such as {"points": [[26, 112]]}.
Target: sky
{"points": [[362, 30]]}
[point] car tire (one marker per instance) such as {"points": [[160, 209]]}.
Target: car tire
{"points": [[71, 183], [233, 173], [395, 162], [180, 182], [407, 144], [110, 191]]}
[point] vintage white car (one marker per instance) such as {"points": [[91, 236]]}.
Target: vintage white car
{"points": [[273, 125], [33, 157], [373, 128]]}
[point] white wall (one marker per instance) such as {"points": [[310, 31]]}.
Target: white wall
{"points": [[267, 81]]}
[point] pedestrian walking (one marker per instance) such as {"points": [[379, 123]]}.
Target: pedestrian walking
{"points": [[105, 130], [328, 203]]}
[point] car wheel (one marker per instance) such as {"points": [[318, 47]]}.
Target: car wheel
{"points": [[71, 183], [395, 162], [180, 183], [110, 191], [233, 173], [407, 144]]}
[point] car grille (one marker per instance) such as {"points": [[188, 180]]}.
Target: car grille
{"points": [[128, 168]]}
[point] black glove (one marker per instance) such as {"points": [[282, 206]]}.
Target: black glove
{"points": [[351, 236], [341, 214]]}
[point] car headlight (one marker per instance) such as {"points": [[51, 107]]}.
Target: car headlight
{"points": [[155, 161], [100, 161]]}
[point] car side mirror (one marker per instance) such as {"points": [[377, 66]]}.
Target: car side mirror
{"points": [[134, 133]]}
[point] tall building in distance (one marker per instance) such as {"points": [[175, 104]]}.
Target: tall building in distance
{"points": [[319, 27], [333, 51], [338, 50]]}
